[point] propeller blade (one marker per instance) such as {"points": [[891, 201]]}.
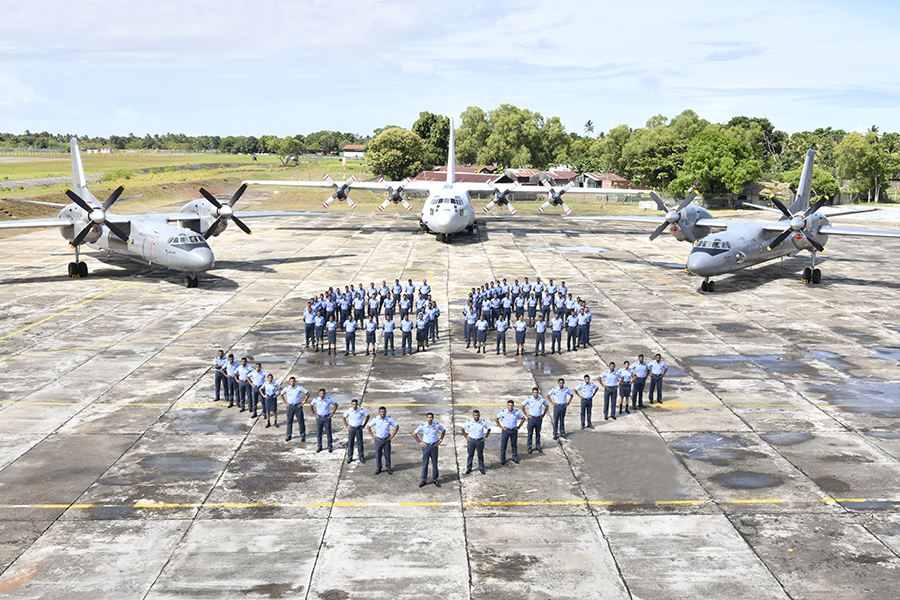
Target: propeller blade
{"points": [[329, 180], [77, 200], [384, 204], [819, 204], [567, 209], [208, 233], [659, 230], [237, 195], [815, 243], [544, 206], [780, 205], [350, 202], [781, 237], [210, 198], [117, 231], [81, 235], [405, 204], [490, 205], [113, 197], [328, 202], [240, 224], [686, 201], [546, 184], [512, 209], [659, 203]]}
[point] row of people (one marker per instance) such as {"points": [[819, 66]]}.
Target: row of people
{"points": [[530, 306], [577, 327], [425, 326]]}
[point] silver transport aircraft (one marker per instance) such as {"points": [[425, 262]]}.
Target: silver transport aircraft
{"points": [[176, 241], [722, 246], [448, 210]]}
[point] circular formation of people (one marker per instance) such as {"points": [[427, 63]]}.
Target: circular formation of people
{"points": [[489, 307]]}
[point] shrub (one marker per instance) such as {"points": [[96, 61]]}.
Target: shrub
{"points": [[116, 175]]}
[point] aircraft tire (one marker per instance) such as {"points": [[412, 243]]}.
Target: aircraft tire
{"points": [[82, 269], [816, 276], [807, 275], [470, 229], [711, 287], [73, 269], [704, 287]]}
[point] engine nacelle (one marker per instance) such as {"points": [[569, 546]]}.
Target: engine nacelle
{"points": [[70, 231], [685, 229]]}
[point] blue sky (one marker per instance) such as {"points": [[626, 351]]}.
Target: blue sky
{"points": [[236, 67]]}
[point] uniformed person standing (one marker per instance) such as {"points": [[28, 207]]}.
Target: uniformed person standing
{"points": [[371, 326], [421, 325], [323, 408], [640, 370], [626, 376], [571, 332], [380, 430], [230, 369], [481, 327], [585, 392], [502, 325], [257, 379], [536, 407], [476, 430], [221, 378], [359, 310], [560, 397], [556, 325], [294, 396], [540, 327], [309, 321], [658, 369], [432, 435], [406, 327], [509, 421], [610, 381], [470, 317], [521, 326], [355, 419], [350, 336], [330, 328], [241, 375], [270, 403], [388, 327], [319, 328]]}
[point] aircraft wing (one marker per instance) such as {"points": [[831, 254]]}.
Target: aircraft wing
{"points": [[372, 186], [835, 230], [31, 223], [241, 214], [630, 218]]}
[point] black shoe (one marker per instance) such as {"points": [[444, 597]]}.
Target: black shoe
{"points": [[482, 471], [349, 460], [563, 436], [555, 437], [390, 472], [614, 417], [436, 484], [516, 460], [268, 425], [543, 354], [421, 484], [362, 460], [253, 416], [530, 451], [330, 450], [318, 450], [230, 404], [502, 463], [627, 412], [303, 438], [377, 471], [540, 450], [605, 418], [467, 471], [287, 439], [582, 427], [591, 426]]}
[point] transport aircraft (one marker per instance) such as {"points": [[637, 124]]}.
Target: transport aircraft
{"points": [[723, 246], [448, 210], [174, 240]]}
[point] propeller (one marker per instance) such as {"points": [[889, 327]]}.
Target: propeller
{"points": [[798, 224], [224, 212], [341, 192], [96, 216], [673, 215], [554, 196], [395, 196], [500, 198]]}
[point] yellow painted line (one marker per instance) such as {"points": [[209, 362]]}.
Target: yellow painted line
{"points": [[858, 500], [698, 299], [682, 502], [757, 501]]}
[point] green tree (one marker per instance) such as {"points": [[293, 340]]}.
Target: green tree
{"points": [[609, 149], [471, 134], [716, 163], [589, 127], [287, 149], [396, 153], [435, 131], [823, 182], [864, 161]]}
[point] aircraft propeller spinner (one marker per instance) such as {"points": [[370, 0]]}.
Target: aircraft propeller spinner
{"points": [[500, 198], [395, 196], [96, 216], [673, 215], [224, 212], [341, 192], [554, 196], [798, 224]]}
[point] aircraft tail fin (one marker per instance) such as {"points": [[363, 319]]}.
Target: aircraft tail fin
{"points": [[451, 158], [801, 203], [79, 183]]}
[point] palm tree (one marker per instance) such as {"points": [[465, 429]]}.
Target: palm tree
{"points": [[589, 127]]}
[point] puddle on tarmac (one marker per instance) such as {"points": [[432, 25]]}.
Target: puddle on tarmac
{"points": [[712, 447], [859, 336], [832, 485], [787, 438], [582, 249], [883, 434], [732, 327], [887, 352], [672, 331], [747, 480], [264, 358]]}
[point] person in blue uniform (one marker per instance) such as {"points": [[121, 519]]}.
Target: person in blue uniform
{"points": [[469, 317], [432, 435], [359, 304], [355, 420], [404, 305], [241, 376], [350, 336], [540, 327], [389, 306], [309, 321], [374, 303], [383, 429], [536, 407], [388, 327], [658, 370], [532, 304], [502, 325], [509, 421], [585, 392], [323, 408], [556, 326], [221, 378], [421, 325], [560, 397], [571, 331], [406, 327], [476, 430], [371, 327], [581, 329], [319, 328], [331, 335], [610, 381], [481, 327], [625, 379], [294, 396], [344, 306], [229, 370], [520, 327], [257, 380], [640, 370], [270, 391]]}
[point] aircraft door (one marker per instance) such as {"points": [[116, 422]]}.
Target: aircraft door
{"points": [[153, 244]]}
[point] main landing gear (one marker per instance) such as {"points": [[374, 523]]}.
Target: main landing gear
{"points": [[446, 238], [708, 286], [78, 269], [190, 281], [811, 274]]}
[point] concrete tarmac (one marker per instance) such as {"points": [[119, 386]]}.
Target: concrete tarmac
{"points": [[771, 470]]}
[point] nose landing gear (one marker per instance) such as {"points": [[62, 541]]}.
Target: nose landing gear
{"points": [[190, 281], [78, 269], [708, 286], [811, 274]]}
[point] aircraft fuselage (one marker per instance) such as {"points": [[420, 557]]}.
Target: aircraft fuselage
{"points": [[448, 211]]}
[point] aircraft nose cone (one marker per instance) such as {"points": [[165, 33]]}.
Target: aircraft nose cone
{"points": [[700, 263], [200, 260], [441, 220]]}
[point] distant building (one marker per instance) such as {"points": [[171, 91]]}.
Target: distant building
{"points": [[535, 176], [606, 180], [353, 151]]}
